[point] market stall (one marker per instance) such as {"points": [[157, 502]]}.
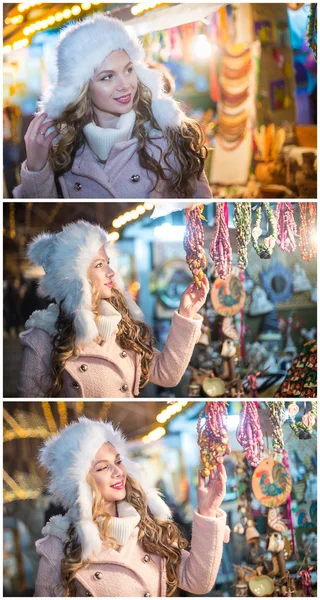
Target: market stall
{"points": [[246, 72]]}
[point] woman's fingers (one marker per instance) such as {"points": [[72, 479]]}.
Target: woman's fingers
{"points": [[35, 125], [51, 136], [221, 470], [45, 126], [201, 481]]}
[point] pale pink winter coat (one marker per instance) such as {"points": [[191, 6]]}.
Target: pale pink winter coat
{"points": [[88, 179], [106, 371], [124, 572]]}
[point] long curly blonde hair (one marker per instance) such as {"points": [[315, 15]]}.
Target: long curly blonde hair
{"points": [[183, 160], [132, 335], [162, 538]]}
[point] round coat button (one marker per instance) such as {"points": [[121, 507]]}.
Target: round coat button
{"points": [[98, 575], [146, 558], [88, 594], [77, 186], [123, 353], [75, 385], [135, 178], [147, 595], [124, 388], [84, 368]]}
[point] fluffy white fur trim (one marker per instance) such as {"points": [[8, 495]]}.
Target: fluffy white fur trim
{"points": [[66, 257], [44, 319], [82, 48], [68, 456]]}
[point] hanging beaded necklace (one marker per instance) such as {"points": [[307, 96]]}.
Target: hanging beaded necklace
{"points": [[242, 218], [220, 246], [264, 249], [213, 435], [277, 418], [303, 430], [287, 227], [249, 434], [193, 243], [308, 230]]}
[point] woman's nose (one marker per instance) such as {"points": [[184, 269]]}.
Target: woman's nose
{"points": [[110, 273], [122, 84], [117, 471]]}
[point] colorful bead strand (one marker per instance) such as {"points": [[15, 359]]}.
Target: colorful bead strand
{"points": [[249, 434], [193, 243], [220, 246], [277, 418], [287, 227], [242, 218], [213, 435], [308, 230], [264, 249]]}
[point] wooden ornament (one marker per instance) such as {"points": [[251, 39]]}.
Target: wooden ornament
{"points": [[271, 483], [275, 521], [228, 295]]}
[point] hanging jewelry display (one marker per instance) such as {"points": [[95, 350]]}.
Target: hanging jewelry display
{"points": [[220, 246], [285, 460], [308, 230], [306, 582], [303, 429], [264, 249], [287, 227], [193, 243], [249, 434], [301, 379], [212, 435], [277, 418], [242, 218]]}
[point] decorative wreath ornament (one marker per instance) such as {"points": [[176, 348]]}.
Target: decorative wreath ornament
{"points": [[264, 249]]}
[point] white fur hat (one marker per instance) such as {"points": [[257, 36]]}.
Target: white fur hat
{"points": [[82, 48], [65, 258], [67, 457]]}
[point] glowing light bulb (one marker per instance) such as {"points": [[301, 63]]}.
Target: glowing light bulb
{"points": [[202, 48]]}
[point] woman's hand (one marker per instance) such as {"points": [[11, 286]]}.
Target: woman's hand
{"points": [[38, 143], [211, 496], [193, 299]]}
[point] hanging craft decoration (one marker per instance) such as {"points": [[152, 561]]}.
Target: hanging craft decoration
{"points": [[301, 379], [249, 434], [287, 227], [228, 295], [277, 272], [213, 435], [312, 29], [303, 430], [242, 219], [264, 249], [277, 418], [285, 461], [220, 247], [271, 483], [308, 230], [193, 243], [275, 521]]}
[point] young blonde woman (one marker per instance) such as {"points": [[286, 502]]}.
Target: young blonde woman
{"points": [[88, 343], [106, 129], [118, 538]]}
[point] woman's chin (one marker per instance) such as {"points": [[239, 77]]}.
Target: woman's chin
{"points": [[106, 293]]}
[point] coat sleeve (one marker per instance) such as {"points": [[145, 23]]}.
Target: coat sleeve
{"points": [[48, 583], [168, 366], [34, 369], [36, 184], [199, 568], [203, 188]]}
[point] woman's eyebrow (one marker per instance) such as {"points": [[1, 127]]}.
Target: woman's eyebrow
{"points": [[106, 461], [111, 70]]}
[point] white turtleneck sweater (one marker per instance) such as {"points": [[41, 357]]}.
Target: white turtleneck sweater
{"points": [[121, 527], [101, 139], [108, 319]]}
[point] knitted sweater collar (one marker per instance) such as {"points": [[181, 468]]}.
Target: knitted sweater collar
{"points": [[101, 139], [108, 319], [121, 527]]}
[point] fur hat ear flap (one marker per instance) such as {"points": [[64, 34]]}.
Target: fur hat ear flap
{"points": [[85, 326], [158, 506], [40, 248], [167, 113]]}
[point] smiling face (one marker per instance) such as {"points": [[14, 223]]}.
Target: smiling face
{"points": [[113, 87], [101, 274], [109, 474]]}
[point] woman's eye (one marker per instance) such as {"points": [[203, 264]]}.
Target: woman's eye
{"points": [[102, 468], [107, 78], [118, 462], [130, 69], [99, 265]]}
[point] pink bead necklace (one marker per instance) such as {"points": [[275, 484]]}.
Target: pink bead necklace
{"points": [[249, 434], [220, 247], [287, 227]]}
